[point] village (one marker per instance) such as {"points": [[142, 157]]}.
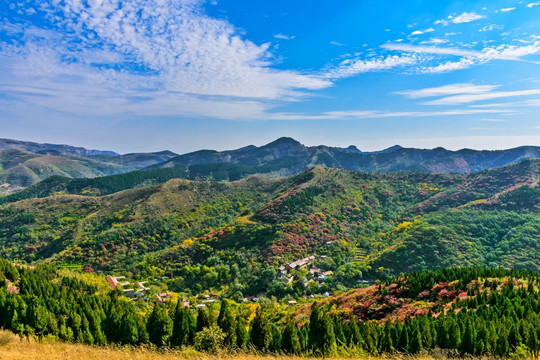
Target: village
{"points": [[300, 270]]}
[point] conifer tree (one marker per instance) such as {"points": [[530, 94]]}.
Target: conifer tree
{"points": [[454, 336], [275, 345], [415, 341], [159, 326], [503, 348], [202, 319], [403, 344], [387, 344], [180, 331], [355, 338], [468, 340], [290, 342], [242, 335], [260, 334]]}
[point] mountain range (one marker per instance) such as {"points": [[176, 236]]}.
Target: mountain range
{"points": [[25, 163]]}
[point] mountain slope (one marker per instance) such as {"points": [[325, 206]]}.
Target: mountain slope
{"points": [[20, 169], [54, 148], [286, 156], [365, 224]]}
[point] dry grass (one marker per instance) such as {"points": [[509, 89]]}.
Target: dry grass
{"points": [[14, 348]]}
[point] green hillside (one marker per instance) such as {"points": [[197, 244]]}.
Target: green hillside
{"points": [[454, 312], [286, 156], [20, 169], [233, 236]]}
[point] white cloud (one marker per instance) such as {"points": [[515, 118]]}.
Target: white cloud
{"points": [[429, 50], [533, 4], [468, 58], [161, 53], [467, 17], [283, 37], [451, 89], [434, 41], [353, 67], [420, 32], [335, 43], [380, 114], [508, 9], [469, 98], [448, 66]]}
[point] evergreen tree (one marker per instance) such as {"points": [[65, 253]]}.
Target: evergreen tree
{"points": [[242, 334], [514, 337], [415, 341], [202, 319], [129, 331], [321, 332], [454, 336], [503, 348], [275, 345], [290, 342], [403, 344], [180, 331], [468, 340], [355, 339], [261, 335], [159, 326], [387, 344]]}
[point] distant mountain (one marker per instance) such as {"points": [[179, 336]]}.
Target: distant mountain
{"points": [[286, 156], [50, 149], [20, 169], [282, 157], [355, 150], [137, 161], [24, 163]]}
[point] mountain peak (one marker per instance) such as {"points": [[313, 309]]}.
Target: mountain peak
{"points": [[284, 141]]}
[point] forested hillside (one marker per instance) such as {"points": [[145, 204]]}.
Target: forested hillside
{"points": [[467, 311], [232, 237], [23, 164], [20, 169], [286, 156]]}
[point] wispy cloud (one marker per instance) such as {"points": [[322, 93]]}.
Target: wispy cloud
{"points": [[508, 9], [533, 4], [467, 17], [379, 114], [448, 66], [420, 32], [451, 89], [467, 57], [470, 98], [161, 53], [283, 36], [429, 49], [351, 67]]}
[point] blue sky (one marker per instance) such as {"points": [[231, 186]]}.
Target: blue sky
{"points": [[187, 74]]}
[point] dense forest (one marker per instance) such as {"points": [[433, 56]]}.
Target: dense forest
{"points": [[232, 237], [473, 311]]}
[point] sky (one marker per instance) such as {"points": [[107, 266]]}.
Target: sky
{"points": [[183, 75]]}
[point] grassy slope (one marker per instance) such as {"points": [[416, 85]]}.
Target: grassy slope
{"points": [[14, 348]]}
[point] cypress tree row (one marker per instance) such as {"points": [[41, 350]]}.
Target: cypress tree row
{"points": [[497, 314]]}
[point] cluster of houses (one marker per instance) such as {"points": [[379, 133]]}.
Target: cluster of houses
{"points": [[140, 290], [314, 274]]}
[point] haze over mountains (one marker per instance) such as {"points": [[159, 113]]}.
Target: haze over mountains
{"points": [[25, 163]]}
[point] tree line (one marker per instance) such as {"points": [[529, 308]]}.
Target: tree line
{"points": [[500, 317]]}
